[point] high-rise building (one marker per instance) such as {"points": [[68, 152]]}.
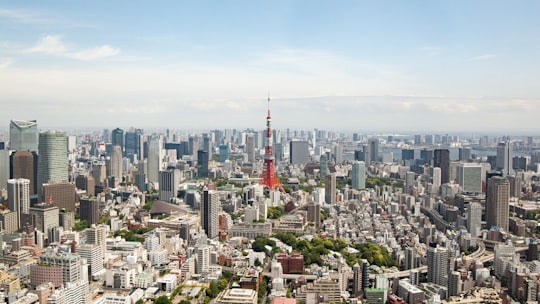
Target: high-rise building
{"points": [[454, 283], [97, 235], [116, 163], [99, 173], [373, 144], [53, 160], [86, 182], [498, 200], [203, 260], [250, 147], [338, 154], [202, 163], [358, 175], [92, 253], [210, 213], [441, 159], [314, 214], [133, 143], [69, 263], [169, 182], [19, 198], [4, 165], [89, 210], [118, 138], [504, 158], [474, 218], [223, 153], [330, 189], [23, 135], [465, 154], [44, 216], [193, 146], [437, 260], [324, 165], [24, 165], [299, 152], [469, 177], [407, 154], [62, 195], [155, 147], [357, 280]]}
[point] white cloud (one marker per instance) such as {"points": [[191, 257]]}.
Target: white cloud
{"points": [[484, 57], [24, 16], [54, 45], [6, 62], [99, 52], [49, 44]]}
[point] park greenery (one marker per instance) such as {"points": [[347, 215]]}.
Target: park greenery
{"points": [[275, 212], [314, 250]]}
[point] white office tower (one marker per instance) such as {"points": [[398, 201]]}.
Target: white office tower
{"points": [[97, 235], [203, 260], [278, 286], [505, 158], [503, 256], [437, 259], [93, 256], [469, 177], [436, 176], [53, 160], [151, 242], [169, 184], [358, 175], [251, 214], [275, 197], [338, 154], [19, 197], [116, 163], [410, 178], [474, 219], [155, 157], [4, 165]]}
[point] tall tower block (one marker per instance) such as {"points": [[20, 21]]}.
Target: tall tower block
{"points": [[269, 178]]}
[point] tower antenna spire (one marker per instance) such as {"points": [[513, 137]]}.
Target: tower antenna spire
{"points": [[269, 178]]}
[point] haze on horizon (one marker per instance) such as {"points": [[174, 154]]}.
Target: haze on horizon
{"points": [[453, 66]]}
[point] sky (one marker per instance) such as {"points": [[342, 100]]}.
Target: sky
{"points": [[448, 66]]}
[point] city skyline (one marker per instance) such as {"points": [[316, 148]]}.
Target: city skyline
{"points": [[443, 67]]}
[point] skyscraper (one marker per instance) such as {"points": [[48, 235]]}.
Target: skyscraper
{"points": [[469, 177], [358, 175], [19, 198], [338, 154], [133, 144], [4, 165], [116, 163], [44, 216], [437, 260], [89, 210], [210, 213], [202, 163], [169, 182], [250, 147], [61, 194], [373, 144], [324, 165], [223, 153], [474, 219], [53, 160], [299, 152], [24, 165], [155, 147], [441, 159], [23, 135], [118, 138], [314, 214], [330, 189], [505, 158], [498, 199]]}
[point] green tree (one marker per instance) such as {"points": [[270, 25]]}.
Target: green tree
{"points": [[163, 300], [222, 284], [185, 302], [81, 225], [213, 290]]}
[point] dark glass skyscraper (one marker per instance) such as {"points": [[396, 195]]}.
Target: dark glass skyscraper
{"points": [[441, 159]]}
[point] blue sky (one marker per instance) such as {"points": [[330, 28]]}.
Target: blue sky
{"points": [[345, 65]]}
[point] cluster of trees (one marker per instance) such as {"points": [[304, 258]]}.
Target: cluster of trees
{"points": [[81, 225], [129, 235], [316, 248], [275, 212]]}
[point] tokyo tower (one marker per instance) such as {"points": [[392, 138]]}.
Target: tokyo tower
{"points": [[269, 179]]}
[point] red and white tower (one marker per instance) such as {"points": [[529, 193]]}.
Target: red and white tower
{"points": [[269, 179]]}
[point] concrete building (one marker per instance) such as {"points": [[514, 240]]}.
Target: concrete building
{"points": [[89, 210], [44, 216], [358, 175], [474, 218], [116, 163], [497, 202], [330, 189], [19, 198], [210, 206], [87, 183], [437, 262], [504, 158], [469, 177], [169, 184], [53, 160], [24, 165], [60, 194], [237, 296], [93, 256], [299, 152]]}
